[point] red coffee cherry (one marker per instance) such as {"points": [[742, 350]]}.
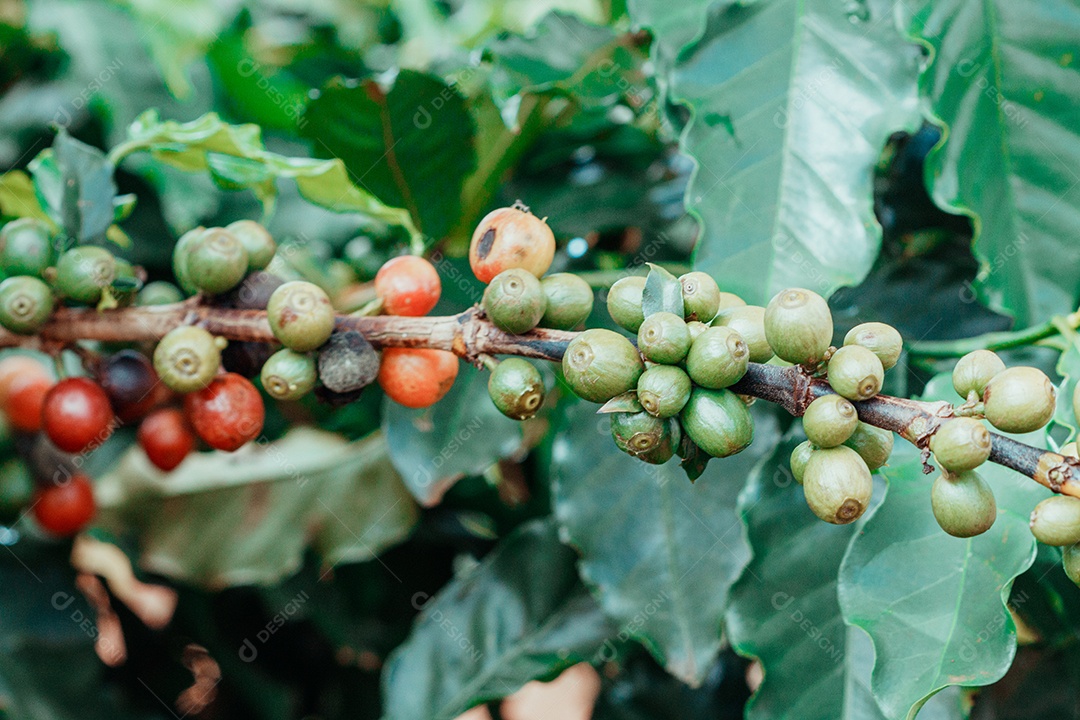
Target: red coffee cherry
{"points": [[77, 415], [227, 413], [65, 509], [511, 238], [166, 437], [408, 285], [417, 377], [26, 396]]}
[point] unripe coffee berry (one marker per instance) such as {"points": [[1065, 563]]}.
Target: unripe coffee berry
{"points": [[187, 358], [855, 372], [837, 484], [799, 457], [301, 316], [217, 261], [288, 375], [637, 433], [974, 371], [227, 413], [701, 296], [963, 504], [159, 292], [25, 304], [718, 358], [600, 364], [830, 420], [511, 238], [514, 301], [624, 302], [25, 247], [718, 421], [749, 322], [83, 273], [569, 301], [663, 390], [729, 301], [1056, 521], [257, 241], [668, 446], [348, 362], [664, 338], [960, 444], [873, 444], [1070, 562], [408, 285], [798, 326], [516, 388], [417, 377], [879, 338], [180, 259], [1019, 400]]}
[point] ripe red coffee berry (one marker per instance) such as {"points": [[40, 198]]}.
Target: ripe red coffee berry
{"points": [[408, 285], [227, 413], [65, 509], [25, 397], [77, 415], [166, 437], [417, 377]]}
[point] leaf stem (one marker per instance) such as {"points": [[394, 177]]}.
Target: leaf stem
{"points": [[994, 340]]}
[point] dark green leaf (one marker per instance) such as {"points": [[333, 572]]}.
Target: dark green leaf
{"points": [[662, 293], [76, 182]]}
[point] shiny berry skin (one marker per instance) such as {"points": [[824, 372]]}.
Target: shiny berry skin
{"points": [[960, 444], [664, 338], [180, 258], [701, 296], [408, 285], [77, 415], [133, 387], [25, 304], [25, 247], [1070, 562], [25, 398], [663, 390], [288, 375], [417, 377], [638, 433], [798, 326], [718, 358], [187, 358], [83, 273], [514, 301], [718, 422], [856, 372], [166, 437], [963, 504], [1019, 400], [624, 302], [511, 238], [837, 484], [749, 322], [879, 338], [830, 420], [216, 261], [301, 316], [569, 301], [516, 388], [1056, 521], [65, 509], [599, 364], [974, 371], [257, 241], [227, 413], [159, 292], [799, 457]]}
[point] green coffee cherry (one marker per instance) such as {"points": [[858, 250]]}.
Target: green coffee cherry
{"points": [[701, 296], [84, 272], [624, 302], [569, 301], [600, 364], [798, 326], [873, 444], [159, 292], [257, 241], [663, 390], [696, 328], [514, 301], [638, 433], [830, 420], [667, 447], [288, 375], [855, 372], [729, 301], [718, 358], [837, 484], [217, 261], [1070, 561], [25, 247], [877, 337], [963, 504], [749, 322], [187, 358], [1019, 400], [799, 457], [517, 388], [301, 316], [718, 421], [180, 257], [25, 304], [974, 371], [1056, 521], [664, 338], [960, 444]]}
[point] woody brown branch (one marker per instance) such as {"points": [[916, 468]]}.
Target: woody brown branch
{"points": [[469, 335]]}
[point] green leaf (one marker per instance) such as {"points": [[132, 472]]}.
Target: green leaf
{"points": [[18, 198], [674, 25], [224, 519], [661, 553], [662, 293], [1007, 97], [791, 105], [75, 181], [411, 145], [1068, 367], [522, 614]]}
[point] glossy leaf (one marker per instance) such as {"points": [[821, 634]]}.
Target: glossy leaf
{"points": [[75, 182], [662, 292], [18, 199]]}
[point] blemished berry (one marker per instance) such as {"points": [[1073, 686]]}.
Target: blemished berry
{"points": [[830, 420], [1070, 562], [873, 444], [718, 358], [216, 261], [65, 509], [159, 292], [257, 241], [25, 397], [638, 433], [600, 364], [288, 375], [511, 238], [132, 385], [187, 358], [624, 302], [960, 444], [749, 322], [83, 273], [516, 388], [663, 390], [514, 301], [348, 362], [963, 504], [701, 296], [253, 292], [569, 301], [301, 316], [25, 304], [26, 247], [408, 285], [837, 484], [974, 371], [664, 338], [879, 338], [798, 326], [417, 377], [799, 457], [77, 415], [668, 446], [1019, 400], [718, 421], [856, 373], [166, 437], [227, 413], [1056, 521], [180, 258]]}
